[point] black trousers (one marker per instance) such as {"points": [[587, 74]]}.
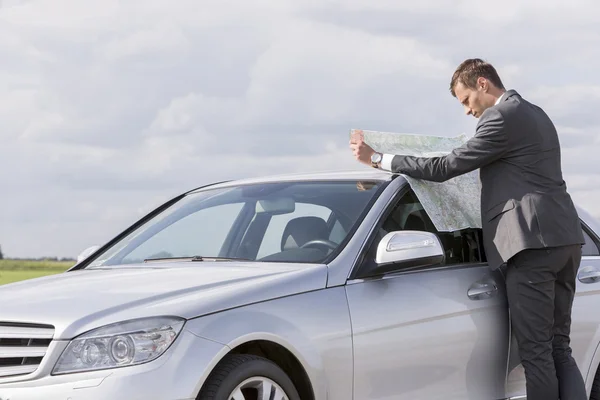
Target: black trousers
{"points": [[540, 285]]}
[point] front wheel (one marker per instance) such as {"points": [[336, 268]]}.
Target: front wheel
{"points": [[248, 377]]}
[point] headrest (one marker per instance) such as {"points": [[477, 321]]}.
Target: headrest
{"points": [[418, 220], [302, 230]]}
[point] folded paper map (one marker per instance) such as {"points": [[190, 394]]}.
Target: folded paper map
{"points": [[451, 205]]}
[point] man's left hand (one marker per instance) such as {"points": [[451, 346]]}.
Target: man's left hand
{"points": [[362, 151]]}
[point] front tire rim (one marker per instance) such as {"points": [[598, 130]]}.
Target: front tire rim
{"points": [[258, 388]]}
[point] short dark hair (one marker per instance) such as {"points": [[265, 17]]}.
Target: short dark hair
{"points": [[470, 70]]}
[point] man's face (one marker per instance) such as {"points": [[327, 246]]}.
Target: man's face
{"points": [[475, 101]]}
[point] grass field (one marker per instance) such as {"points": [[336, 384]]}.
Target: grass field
{"points": [[18, 270]]}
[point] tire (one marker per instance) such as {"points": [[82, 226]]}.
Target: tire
{"points": [[236, 369]]}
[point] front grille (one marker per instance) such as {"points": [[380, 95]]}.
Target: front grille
{"points": [[22, 347]]}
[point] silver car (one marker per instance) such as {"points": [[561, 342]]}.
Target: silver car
{"points": [[317, 286]]}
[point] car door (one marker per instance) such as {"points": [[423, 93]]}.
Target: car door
{"points": [[433, 333], [585, 320]]}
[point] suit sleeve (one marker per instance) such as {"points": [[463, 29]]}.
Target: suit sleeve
{"points": [[489, 144]]}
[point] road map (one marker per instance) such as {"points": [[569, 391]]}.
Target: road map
{"points": [[451, 205]]}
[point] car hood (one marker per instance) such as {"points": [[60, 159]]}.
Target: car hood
{"points": [[76, 301]]}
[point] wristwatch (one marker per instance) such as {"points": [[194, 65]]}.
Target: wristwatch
{"points": [[376, 160]]}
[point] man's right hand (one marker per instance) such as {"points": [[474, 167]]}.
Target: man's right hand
{"points": [[362, 151]]}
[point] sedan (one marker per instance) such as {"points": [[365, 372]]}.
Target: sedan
{"points": [[315, 286]]}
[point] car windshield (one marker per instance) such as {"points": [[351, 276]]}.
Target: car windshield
{"points": [[300, 222]]}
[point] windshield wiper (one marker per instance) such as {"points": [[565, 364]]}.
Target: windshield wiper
{"points": [[196, 258]]}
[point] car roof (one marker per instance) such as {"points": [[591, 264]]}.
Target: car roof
{"points": [[368, 174]]}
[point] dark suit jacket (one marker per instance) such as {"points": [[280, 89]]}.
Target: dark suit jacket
{"points": [[524, 199]]}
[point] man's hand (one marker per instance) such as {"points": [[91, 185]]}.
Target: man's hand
{"points": [[362, 151]]}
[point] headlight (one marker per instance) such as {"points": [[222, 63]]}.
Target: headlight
{"points": [[118, 345]]}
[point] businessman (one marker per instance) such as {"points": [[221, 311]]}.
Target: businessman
{"points": [[530, 225]]}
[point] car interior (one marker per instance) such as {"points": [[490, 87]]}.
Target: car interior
{"points": [[307, 238], [304, 239]]}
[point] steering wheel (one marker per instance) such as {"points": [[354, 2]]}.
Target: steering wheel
{"points": [[320, 242]]}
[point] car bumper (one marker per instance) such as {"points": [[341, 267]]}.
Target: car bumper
{"points": [[176, 375]]}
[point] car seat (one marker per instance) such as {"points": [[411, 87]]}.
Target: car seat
{"points": [[302, 230]]}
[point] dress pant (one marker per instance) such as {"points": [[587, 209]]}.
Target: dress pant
{"points": [[540, 286]]}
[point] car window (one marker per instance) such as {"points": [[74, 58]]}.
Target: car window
{"points": [[460, 247], [200, 233], [300, 222], [590, 248], [338, 233], [273, 237]]}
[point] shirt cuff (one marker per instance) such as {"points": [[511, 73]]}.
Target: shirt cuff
{"points": [[386, 162]]}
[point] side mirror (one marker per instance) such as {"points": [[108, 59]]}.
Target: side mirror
{"points": [[408, 249], [86, 253]]}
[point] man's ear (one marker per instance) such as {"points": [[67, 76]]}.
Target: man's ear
{"points": [[482, 84]]}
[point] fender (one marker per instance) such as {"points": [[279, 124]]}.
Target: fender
{"points": [[314, 327]]}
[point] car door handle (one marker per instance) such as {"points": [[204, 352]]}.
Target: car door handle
{"points": [[589, 274], [482, 290]]}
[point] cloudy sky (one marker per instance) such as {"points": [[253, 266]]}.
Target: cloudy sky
{"points": [[108, 108]]}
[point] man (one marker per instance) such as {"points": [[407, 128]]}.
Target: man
{"points": [[530, 224]]}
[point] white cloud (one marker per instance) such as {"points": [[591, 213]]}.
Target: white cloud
{"points": [[165, 40], [316, 72], [562, 101], [475, 10], [188, 112], [113, 107]]}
